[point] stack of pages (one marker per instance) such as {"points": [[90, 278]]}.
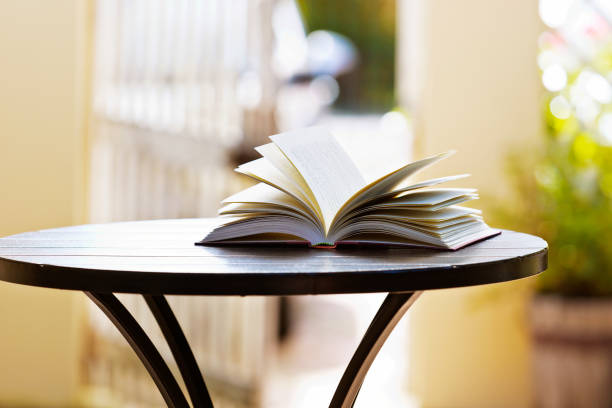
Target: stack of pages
{"points": [[311, 192]]}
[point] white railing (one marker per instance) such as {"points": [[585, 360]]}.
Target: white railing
{"points": [[166, 114]]}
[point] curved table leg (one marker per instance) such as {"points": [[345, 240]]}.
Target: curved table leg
{"points": [[389, 314], [144, 348], [187, 364]]}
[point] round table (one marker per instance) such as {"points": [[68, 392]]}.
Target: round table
{"points": [[157, 258]]}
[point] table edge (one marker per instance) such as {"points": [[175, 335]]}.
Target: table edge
{"points": [[279, 284]]}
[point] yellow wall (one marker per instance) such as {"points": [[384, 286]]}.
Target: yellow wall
{"points": [[469, 75], [42, 184], [476, 88]]}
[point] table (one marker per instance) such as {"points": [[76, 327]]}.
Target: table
{"points": [[157, 258]]}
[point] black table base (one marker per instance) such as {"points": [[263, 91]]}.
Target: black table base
{"points": [[158, 258], [389, 314]]}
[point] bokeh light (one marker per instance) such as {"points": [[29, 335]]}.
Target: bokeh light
{"points": [[554, 12], [554, 78], [605, 128], [560, 107], [393, 123]]}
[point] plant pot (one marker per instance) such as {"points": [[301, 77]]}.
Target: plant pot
{"points": [[572, 351]]}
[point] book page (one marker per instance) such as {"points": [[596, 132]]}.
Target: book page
{"points": [[265, 224], [277, 158], [266, 195], [265, 172], [387, 183], [398, 191], [263, 193], [244, 209], [327, 169], [429, 197]]}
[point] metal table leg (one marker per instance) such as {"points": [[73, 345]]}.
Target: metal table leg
{"points": [[188, 366], [149, 355], [389, 314]]}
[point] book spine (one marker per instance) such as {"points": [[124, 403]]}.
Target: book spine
{"points": [[323, 245]]}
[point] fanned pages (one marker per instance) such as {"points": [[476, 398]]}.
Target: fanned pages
{"points": [[311, 192]]}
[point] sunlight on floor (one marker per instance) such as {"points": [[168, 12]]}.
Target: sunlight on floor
{"points": [[312, 359]]}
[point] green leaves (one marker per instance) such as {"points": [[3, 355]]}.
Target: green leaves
{"points": [[569, 191]]}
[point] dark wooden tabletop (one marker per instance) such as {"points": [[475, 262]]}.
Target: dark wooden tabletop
{"points": [[159, 257]]}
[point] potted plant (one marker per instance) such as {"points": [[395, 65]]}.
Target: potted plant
{"points": [[566, 198]]}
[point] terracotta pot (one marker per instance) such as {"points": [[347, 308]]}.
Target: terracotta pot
{"points": [[572, 351]]}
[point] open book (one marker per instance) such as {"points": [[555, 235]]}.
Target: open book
{"points": [[310, 191]]}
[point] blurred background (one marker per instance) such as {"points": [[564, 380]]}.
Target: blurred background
{"points": [[118, 110]]}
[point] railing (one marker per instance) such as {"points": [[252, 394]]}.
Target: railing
{"points": [[167, 114]]}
